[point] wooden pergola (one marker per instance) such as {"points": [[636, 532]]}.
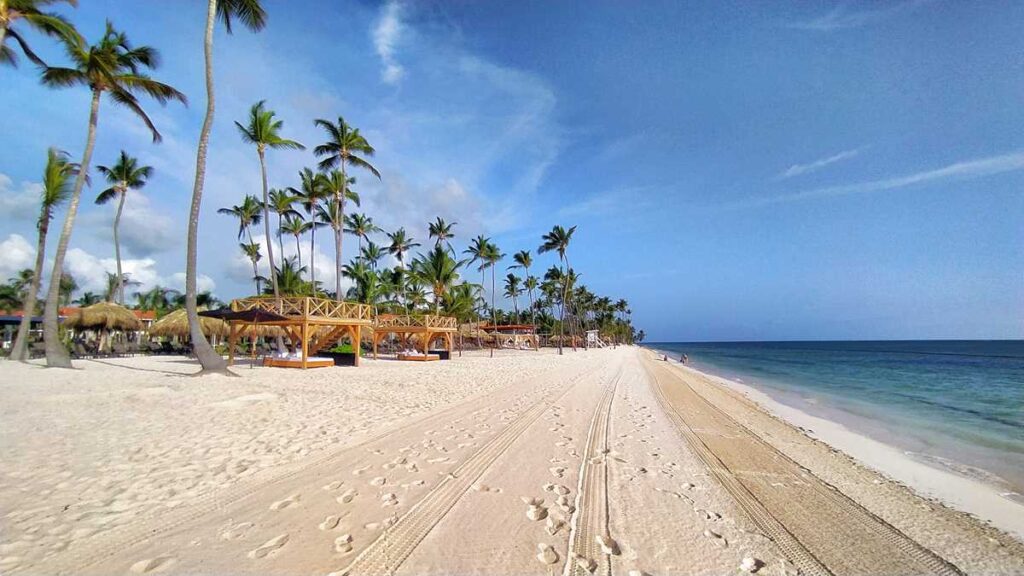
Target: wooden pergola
{"points": [[312, 323], [426, 326]]}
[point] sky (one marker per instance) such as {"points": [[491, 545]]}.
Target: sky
{"points": [[737, 171]]}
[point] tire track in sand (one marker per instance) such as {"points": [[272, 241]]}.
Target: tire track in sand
{"points": [[590, 544], [821, 530], [385, 554]]}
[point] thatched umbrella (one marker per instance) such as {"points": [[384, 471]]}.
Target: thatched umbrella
{"points": [[103, 316], [176, 324]]}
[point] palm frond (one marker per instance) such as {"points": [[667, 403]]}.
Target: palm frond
{"points": [[63, 77], [248, 12], [129, 101], [107, 195]]}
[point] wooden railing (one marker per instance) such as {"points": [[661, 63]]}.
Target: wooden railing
{"points": [[307, 307], [428, 321]]}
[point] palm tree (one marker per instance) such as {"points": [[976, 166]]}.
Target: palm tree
{"points": [[281, 203], [513, 290], [441, 232], [310, 193], [111, 66], [360, 226], [290, 278], [125, 175], [400, 244], [264, 131], [55, 190], [558, 240], [478, 254], [345, 146], [88, 299], [251, 14], [116, 283], [295, 226], [157, 298], [30, 11], [252, 251], [438, 270], [340, 190], [372, 254], [530, 283], [524, 260], [492, 256], [249, 214]]}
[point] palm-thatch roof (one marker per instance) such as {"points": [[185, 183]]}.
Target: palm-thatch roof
{"points": [[176, 324], [103, 316]]}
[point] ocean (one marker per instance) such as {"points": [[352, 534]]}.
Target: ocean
{"points": [[958, 405]]}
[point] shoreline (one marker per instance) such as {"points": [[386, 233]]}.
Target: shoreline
{"points": [[969, 495]]}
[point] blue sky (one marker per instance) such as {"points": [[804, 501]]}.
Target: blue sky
{"points": [[737, 171]]}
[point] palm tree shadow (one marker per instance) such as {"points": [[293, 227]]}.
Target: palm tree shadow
{"points": [[136, 368]]}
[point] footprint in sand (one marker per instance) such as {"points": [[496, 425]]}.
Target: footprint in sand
{"points": [[389, 499], [282, 504], [554, 524], [330, 523], [379, 481], [557, 472], [148, 565], [716, 538], [343, 544], [486, 488], [360, 471], [236, 531], [547, 554], [333, 485], [608, 546], [535, 508], [587, 564], [269, 546], [347, 496]]}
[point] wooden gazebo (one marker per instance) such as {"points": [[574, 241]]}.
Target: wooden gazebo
{"points": [[514, 335], [426, 326], [310, 323]]}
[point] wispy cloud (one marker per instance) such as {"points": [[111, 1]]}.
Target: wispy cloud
{"points": [[842, 17], [798, 169], [967, 169], [386, 35]]}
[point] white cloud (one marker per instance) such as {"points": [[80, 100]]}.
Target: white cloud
{"points": [[798, 169], [144, 230], [386, 34], [19, 202], [841, 17], [967, 169], [177, 281], [16, 254]]}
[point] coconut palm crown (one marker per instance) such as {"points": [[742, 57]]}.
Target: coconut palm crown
{"points": [[126, 174]]}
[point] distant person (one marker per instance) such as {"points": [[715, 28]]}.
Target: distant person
{"points": [[683, 358]]}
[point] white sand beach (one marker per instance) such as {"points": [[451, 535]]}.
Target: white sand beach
{"points": [[514, 464]]}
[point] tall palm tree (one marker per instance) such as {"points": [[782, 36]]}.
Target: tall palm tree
{"points": [[158, 298], [281, 203], [115, 67], [524, 260], [310, 194], [252, 16], [513, 290], [345, 147], [263, 130], [30, 11], [360, 226], [124, 175], [438, 270], [116, 282], [478, 254], [295, 226], [401, 243], [252, 251], [249, 214], [558, 241], [531, 283], [340, 191], [492, 256], [88, 299], [56, 189], [441, 232]]}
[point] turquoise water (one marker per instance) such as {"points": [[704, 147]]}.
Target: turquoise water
{"points": [[954, 404]]}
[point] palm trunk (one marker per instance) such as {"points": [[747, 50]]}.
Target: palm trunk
{"points": [[56, 354], [208, 358], [256, 276], [561, 311], [312, 258], [19, 350], [280, 241], [266, 230], [339, 222], [298, 252], [117, 248]]}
